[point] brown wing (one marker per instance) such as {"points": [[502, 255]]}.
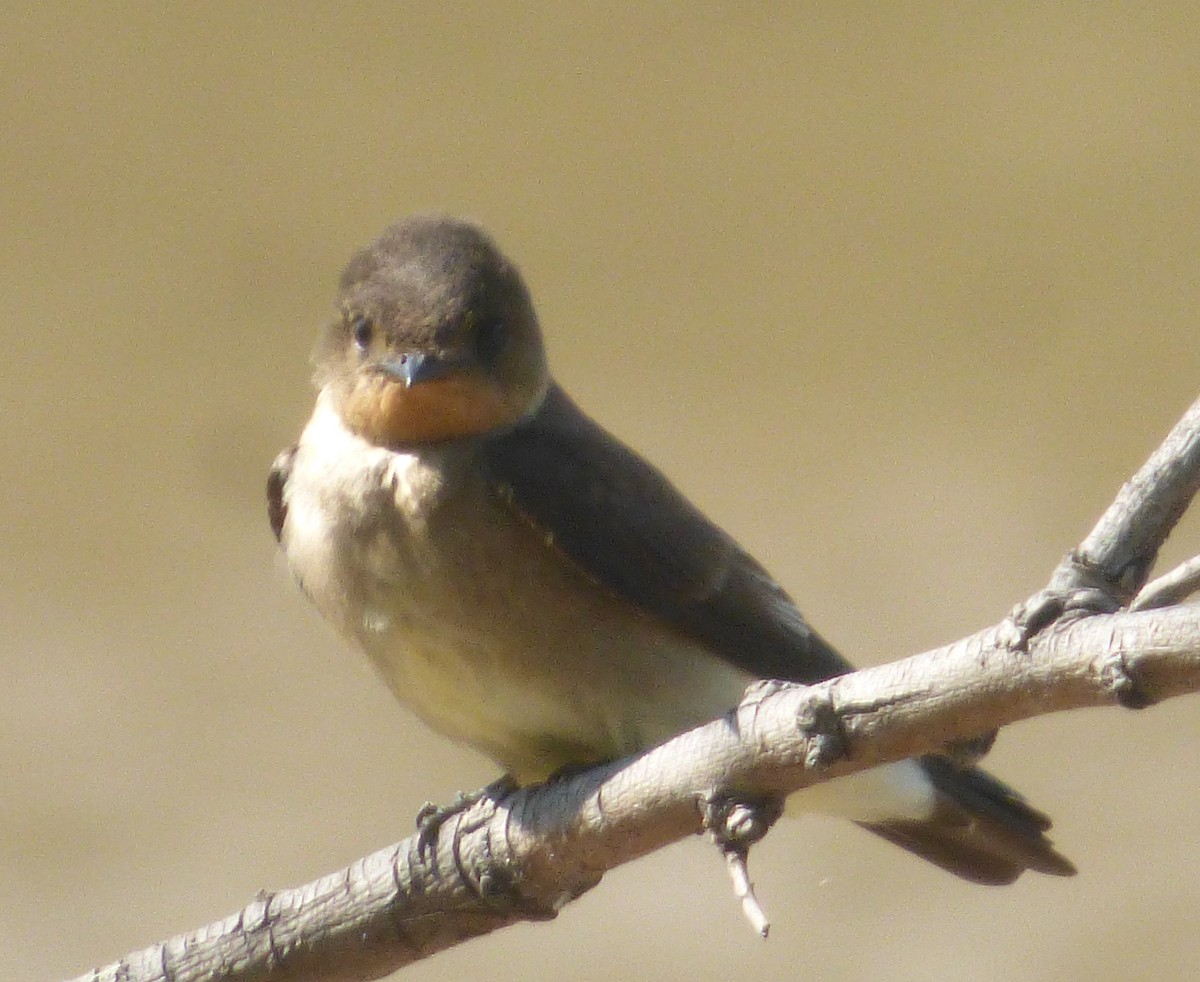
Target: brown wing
{"points": [[628, 527]]}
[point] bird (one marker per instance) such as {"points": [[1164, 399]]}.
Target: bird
{"points": [[529, 585]]}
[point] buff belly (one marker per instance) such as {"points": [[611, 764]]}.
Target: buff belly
{"points": [[492, 636]]}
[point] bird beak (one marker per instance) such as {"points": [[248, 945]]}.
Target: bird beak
{"points": [[414, 368], [416, 398]]}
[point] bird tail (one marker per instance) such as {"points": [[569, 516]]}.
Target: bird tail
{"points": [[980, 829]]}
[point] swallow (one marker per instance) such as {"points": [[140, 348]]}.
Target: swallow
{"points": [[529, 585]]}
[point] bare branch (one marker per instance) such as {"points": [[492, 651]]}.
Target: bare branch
{"points": [[1170, 588], [1123, 546], [523, 855]]}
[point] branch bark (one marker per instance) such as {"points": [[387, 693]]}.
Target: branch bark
{"points": [[523, 855]]}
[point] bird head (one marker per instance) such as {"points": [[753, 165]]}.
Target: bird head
{"points": [[437, 339]]}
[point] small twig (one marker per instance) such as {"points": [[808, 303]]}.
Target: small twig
{"points": [[736, 822], [1170, 588], [739, 873]]}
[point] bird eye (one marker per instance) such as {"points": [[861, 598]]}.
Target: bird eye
{"points": [[489, 339], [363, 331]]}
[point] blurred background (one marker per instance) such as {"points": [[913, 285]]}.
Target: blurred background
{"points": [[900, 294]]}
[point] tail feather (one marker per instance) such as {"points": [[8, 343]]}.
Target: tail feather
{"points": [[980, 829]]}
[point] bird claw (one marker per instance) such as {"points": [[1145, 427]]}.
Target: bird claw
{"points": [[1050, 606], [1076, 590], [432, 817]]}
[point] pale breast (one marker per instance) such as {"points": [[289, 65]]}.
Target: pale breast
{"points": [[475, 620]]}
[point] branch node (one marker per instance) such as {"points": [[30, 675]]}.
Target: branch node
{"points": [[818, 718], [1119, 679], [1077, 589], [498, 887], [736, 822]]}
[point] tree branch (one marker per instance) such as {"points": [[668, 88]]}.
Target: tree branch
{"points": [[1126, 540], [522, 856]]}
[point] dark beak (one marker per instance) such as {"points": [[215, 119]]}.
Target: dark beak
{"points": [[414, 368]]}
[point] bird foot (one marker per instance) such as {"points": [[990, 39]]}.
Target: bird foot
{"points": [[431, 817], [1075, 590]]}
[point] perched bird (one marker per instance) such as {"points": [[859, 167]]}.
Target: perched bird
{"points": [[529, 585]]}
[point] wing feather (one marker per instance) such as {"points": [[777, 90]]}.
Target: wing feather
{"points": [[628, 527], [632, 531]]}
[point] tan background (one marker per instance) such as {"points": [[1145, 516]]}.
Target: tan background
{"points": [[900, 294]]}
